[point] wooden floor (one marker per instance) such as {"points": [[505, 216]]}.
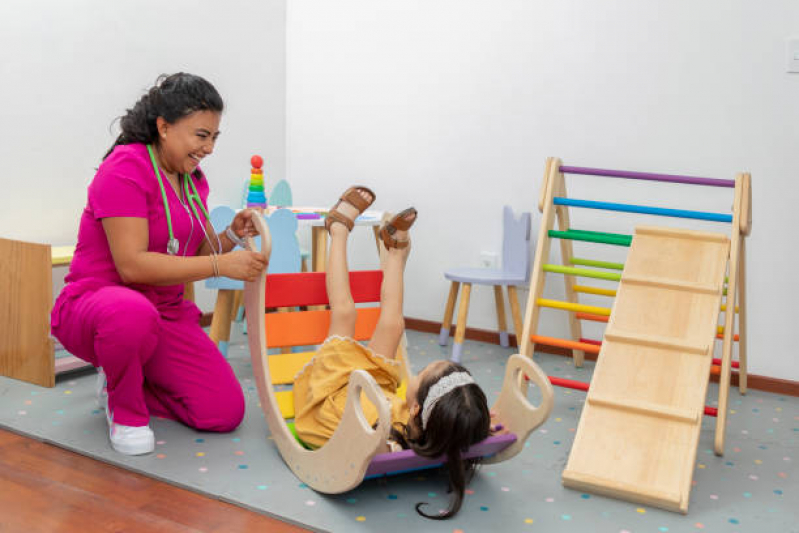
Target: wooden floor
{"points": [[45, 488]]}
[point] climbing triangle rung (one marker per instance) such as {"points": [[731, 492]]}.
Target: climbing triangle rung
{"points": [[563, 343], [656, 341], [646, 408], [571, 271], [594, 290], [570, 306], [616, 239]]}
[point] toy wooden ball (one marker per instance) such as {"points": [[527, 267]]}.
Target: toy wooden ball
{"points": [[256, 161]]}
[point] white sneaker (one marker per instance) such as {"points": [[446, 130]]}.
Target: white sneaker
{"points": [[130, 440], [101, 388]]}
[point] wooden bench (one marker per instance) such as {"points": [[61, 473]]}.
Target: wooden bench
{"points": [[27, 351]]}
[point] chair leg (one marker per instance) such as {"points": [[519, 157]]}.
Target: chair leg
{"points": [[220, 324], [460, 329], [501, 320], [513, 298], [446, 324], [188, 291], [238, 307]]}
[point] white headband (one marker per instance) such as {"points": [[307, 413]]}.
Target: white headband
{"points": [[442, 387]]}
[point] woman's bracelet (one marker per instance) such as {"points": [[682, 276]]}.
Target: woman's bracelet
{"points": [[214, 264], [235, 239]]}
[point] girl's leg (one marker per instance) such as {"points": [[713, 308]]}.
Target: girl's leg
{"points": [[391, 324], [337, 281]]}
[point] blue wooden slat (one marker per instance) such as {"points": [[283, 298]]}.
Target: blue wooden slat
{"points": [[643, 209]]}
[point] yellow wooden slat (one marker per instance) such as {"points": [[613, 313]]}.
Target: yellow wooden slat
{"points": [[285, 400], [569, 306], [594, 290], [61, 255], [283, 367]]}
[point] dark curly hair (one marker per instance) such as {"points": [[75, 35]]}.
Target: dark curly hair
{"points": [[460, 419], [172, 97]]}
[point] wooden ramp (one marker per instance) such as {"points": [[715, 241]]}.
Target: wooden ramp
{"points": [[639, 430]]}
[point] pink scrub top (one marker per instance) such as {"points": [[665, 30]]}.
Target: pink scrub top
{"points": [[126, 185]]}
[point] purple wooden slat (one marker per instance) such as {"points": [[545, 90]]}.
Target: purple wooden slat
{"points": [[407, 460], [673, 178]]}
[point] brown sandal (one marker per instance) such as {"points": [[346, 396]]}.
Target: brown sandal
{"points": [[397, 222], [352, 197]]}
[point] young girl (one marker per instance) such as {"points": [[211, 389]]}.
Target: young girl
{"points": [[444, 411]]}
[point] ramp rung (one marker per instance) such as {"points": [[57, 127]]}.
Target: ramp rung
{"points": [[646, 408], [666, 283], [655, 341], [613, 486], [681, 233]]}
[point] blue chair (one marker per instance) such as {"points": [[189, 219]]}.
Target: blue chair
{"points": [[285, 257], [515, 271], [280, 195]]}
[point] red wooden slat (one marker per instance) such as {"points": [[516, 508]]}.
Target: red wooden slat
{"points": [[308, 288]]}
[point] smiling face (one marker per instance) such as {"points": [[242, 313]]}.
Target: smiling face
{"points": [[184, 143]]}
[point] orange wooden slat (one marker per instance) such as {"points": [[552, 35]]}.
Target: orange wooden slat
{"points": [[592, 317], [305, 328], [563, 343]]}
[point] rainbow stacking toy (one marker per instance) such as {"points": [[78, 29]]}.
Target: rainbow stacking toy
{"points": [[256, 198]]}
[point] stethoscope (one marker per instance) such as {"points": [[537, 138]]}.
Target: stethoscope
{"points": [[192, 198]]}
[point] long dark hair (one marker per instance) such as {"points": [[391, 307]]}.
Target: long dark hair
{"points": [[460, 419], [172, 97]]}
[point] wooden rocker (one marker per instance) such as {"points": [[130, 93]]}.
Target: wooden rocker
{"points": [[350, 456], [287, 258]]}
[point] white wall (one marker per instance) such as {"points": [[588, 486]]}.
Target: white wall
{"points": [[453, 106], [67, 69]]}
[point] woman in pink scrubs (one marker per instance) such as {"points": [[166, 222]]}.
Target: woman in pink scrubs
{"points": [[143, 234]]}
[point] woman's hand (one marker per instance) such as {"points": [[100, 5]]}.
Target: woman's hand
{"points": [[242, 224], [242, 264]]}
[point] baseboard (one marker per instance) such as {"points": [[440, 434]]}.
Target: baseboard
{"points": [[764, 383]]}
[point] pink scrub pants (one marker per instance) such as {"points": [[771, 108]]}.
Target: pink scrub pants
{"points": [[167, 367]]}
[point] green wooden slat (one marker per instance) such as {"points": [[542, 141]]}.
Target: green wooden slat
{"points": [[617, 239], [560, 269], [597, 264]]}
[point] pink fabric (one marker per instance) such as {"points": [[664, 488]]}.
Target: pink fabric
{"points": [[125, 186], [147, 339], [154, 365]]}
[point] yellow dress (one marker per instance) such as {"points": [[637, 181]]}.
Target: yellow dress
{"points": [[320, 388]]}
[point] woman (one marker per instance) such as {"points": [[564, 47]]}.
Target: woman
{"points": [[143, 234]]}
